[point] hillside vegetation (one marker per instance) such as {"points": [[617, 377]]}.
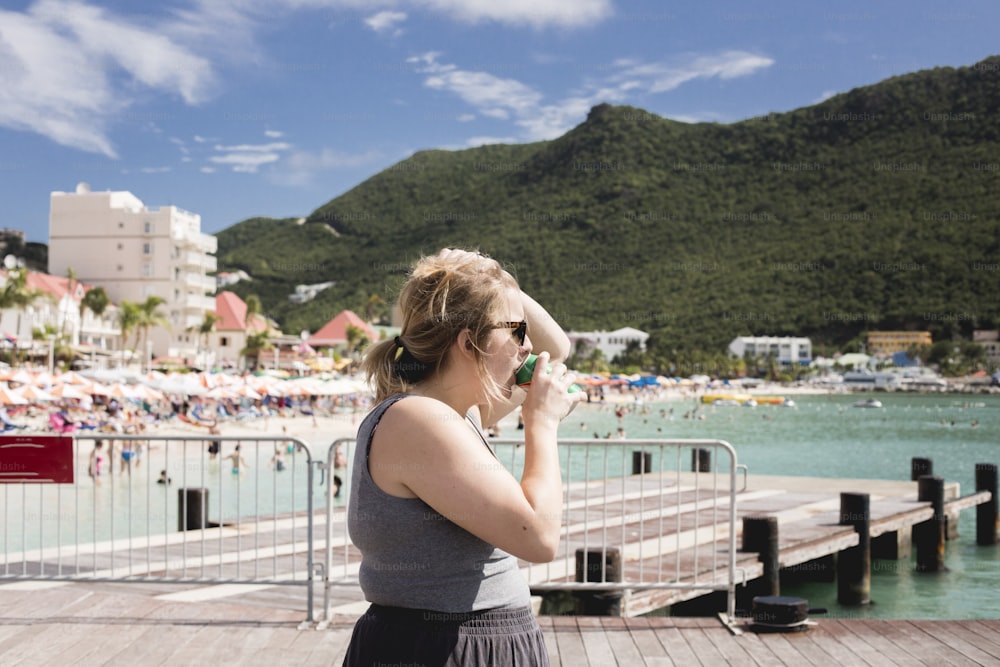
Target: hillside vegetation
{"points": [[875, 209]]}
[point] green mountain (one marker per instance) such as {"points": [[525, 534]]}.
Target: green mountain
{"points": [[875, 209]]}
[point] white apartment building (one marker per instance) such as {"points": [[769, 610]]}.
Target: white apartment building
{"points": [[785, 349], [110, 239], [610, 343]]}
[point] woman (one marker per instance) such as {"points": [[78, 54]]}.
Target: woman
{"points": [[439, 522]]}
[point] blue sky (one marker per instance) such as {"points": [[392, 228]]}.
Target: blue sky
{"points": [[239, 108]]}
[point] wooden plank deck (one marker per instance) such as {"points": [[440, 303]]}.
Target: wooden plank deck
{"points": [[83, 624]]}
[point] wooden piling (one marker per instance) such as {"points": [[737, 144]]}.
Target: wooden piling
{"points": [[760, 536], [598, 565], [929, 536], [854, 564], [701, 460], [986, 513]]}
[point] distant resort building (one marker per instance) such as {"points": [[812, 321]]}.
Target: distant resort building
{"points": [[610, 343], [334, 332], [111, 239], [785, 349], [891, 342], [989, 339], [232, 329], [225, 279], [304, 293]]}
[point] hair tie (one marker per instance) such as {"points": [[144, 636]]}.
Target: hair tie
{"points": [[399, 348]]}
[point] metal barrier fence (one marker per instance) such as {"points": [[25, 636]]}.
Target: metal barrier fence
{"points": [[639, 516], [197, 509]]}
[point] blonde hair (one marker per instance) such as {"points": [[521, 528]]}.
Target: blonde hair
{"points": [[445, 294]]}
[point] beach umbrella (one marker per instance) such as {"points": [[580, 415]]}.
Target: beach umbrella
{"points": [[22, 376], [34, 394], [119, 390], [43, 379], [220, 393], [97, 389], [68, 391], [71, 377], [10, 397], [246, 392], [143, 393]]}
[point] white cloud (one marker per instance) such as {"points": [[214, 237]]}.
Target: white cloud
{"points": [[509, 99], [61, 61], [301, 167], [534, 13], [245, 162], [662, 77], [254, 148], [386, 21], [273, 134]]}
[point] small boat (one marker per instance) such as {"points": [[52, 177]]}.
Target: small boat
{"points": [[869, 403]]}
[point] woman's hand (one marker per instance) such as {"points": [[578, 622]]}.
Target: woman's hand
{"points": [[548, 400]]}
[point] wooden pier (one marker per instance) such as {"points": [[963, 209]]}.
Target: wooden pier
{"points": [[81, 624]]}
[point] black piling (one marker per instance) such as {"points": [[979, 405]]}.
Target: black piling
{"points": [[919, 467], [929, 536], [854, 565], [642, 462], [760, 536], [986, 513], [701, 460], [598, 565], [192, 509]]}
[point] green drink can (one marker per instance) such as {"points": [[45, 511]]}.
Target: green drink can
{"points": [[524, 373]]}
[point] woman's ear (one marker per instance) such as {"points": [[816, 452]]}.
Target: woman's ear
{"points": [[465, 344]]}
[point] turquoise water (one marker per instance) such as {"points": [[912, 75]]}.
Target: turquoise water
{"points": [[825, 436]]}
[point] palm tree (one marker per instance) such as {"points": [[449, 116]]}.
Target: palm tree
{"points": [[128, 320], [373, 306], [257, 342], [150, 316], [17, 294], [253, 309], [205, 329]]}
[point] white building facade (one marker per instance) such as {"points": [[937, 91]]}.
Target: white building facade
{"points": [[610, 343], [785, 349], [110, 239]]}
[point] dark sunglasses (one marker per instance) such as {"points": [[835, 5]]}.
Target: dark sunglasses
{"points": [[520, 329]]}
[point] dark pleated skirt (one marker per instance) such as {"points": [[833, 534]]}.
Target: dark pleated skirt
{"points": [[397, 636]]}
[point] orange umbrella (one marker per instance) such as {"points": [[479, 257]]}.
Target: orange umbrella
{"points": [[10, 397]]}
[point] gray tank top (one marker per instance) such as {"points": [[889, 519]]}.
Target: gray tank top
{"points": [[412, 556]]}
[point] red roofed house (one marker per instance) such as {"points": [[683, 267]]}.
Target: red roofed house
{"points": [[230, 335], [334, 332], [59, 308]]}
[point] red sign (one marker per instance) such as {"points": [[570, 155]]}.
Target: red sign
{"points": [[36, 458]]}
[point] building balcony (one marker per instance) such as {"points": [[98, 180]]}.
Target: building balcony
{"points": [[199, 261], [197, 303], [199, 282]]}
